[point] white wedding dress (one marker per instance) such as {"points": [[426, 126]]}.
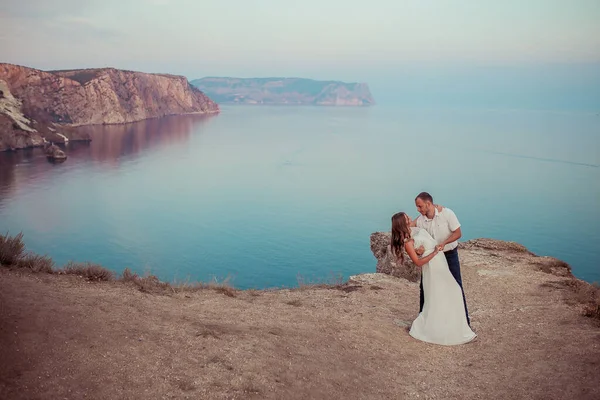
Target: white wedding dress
{"points": [[443, 320]]}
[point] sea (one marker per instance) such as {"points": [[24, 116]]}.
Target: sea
{"points": [[277, 196]]}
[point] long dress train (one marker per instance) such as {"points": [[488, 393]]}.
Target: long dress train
{"points": [[443, 320]]}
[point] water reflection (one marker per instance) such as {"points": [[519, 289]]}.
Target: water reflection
{"points": [[110, 145], [111, 142]]}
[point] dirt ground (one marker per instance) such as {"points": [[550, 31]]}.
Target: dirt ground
{"points": [[62, 337]]}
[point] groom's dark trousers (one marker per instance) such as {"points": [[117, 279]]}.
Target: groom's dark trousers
{"points": [[454, 265]]}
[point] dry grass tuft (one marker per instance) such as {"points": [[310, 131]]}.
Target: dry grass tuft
{"points": [[148, 283], [592, 311], [90, 271], [128, 276], [580, 292], [151, 284], [347, 288], [224, 289], [12, 249], [295, 303], [553, 266], [36, 263], [333, 281]]}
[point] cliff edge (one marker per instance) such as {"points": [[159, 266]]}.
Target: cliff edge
{"points": [[62, 336], [36, 105]]}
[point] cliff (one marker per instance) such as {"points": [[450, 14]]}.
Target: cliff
{"points": [[64, 336], [288, 91], [37, 105]]}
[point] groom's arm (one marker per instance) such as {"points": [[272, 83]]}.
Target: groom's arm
{"points": [[454, 226], [454, 236]]}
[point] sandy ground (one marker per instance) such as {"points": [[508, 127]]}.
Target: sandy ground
{"points": [[62, 337]]}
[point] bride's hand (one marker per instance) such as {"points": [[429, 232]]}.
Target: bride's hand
{"points": [[439, 208]]}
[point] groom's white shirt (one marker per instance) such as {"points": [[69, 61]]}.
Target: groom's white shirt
{"points": [[441, 226]]}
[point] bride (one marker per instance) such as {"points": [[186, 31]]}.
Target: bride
{"points": [[443, 320]]}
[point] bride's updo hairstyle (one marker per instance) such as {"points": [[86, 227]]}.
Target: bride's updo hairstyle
{"points": [[400, 234]]}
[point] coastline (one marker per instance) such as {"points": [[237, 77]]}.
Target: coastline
{"points": [[85, 138]]}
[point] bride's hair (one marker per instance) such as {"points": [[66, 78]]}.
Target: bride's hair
{"points": [[400, 234]]}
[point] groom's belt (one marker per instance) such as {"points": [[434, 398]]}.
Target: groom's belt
{"points": [[454, 250]]}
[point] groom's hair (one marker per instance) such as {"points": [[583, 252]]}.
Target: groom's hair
{"points": [[424, 196]]}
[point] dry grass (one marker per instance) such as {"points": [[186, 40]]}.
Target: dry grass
{"points": [[147, 284], [331, 281], [128, 276], [151, 284], [37, 263], [224, 289], [295, 303], [90, 271], [553, 266], [589, 296], [580, 292], [12, 249]]}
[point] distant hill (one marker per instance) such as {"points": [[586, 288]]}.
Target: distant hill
{"points": [[290, 91]]}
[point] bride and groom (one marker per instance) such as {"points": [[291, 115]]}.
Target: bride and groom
{"points": [[431, 243]]}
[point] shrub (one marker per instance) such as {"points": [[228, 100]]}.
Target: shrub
{"points": [[37, 263], [90, 271], [129, 276], [12, 248]]}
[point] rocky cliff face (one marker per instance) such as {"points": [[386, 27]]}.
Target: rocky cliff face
{"points": [[288, 91], [35, 104]]}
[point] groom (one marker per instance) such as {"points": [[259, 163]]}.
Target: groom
{"points": [[444, 227]]}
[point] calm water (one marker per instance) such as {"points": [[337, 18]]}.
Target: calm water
{"points": [[265, 194]]}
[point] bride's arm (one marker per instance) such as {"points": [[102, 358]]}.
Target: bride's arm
{"points": [[410, 250], [439, 208]]}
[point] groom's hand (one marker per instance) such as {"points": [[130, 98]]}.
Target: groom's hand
{"points": [[440, 247]]}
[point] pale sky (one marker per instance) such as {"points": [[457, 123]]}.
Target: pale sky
{"points": [[321, 39]]}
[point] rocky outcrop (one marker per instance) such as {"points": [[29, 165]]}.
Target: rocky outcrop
{"points": [[285, 91], [388, 264], [55, 154], [40, 103]]}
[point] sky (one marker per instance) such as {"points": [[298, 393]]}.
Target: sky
{"points": [[423, 46]]}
